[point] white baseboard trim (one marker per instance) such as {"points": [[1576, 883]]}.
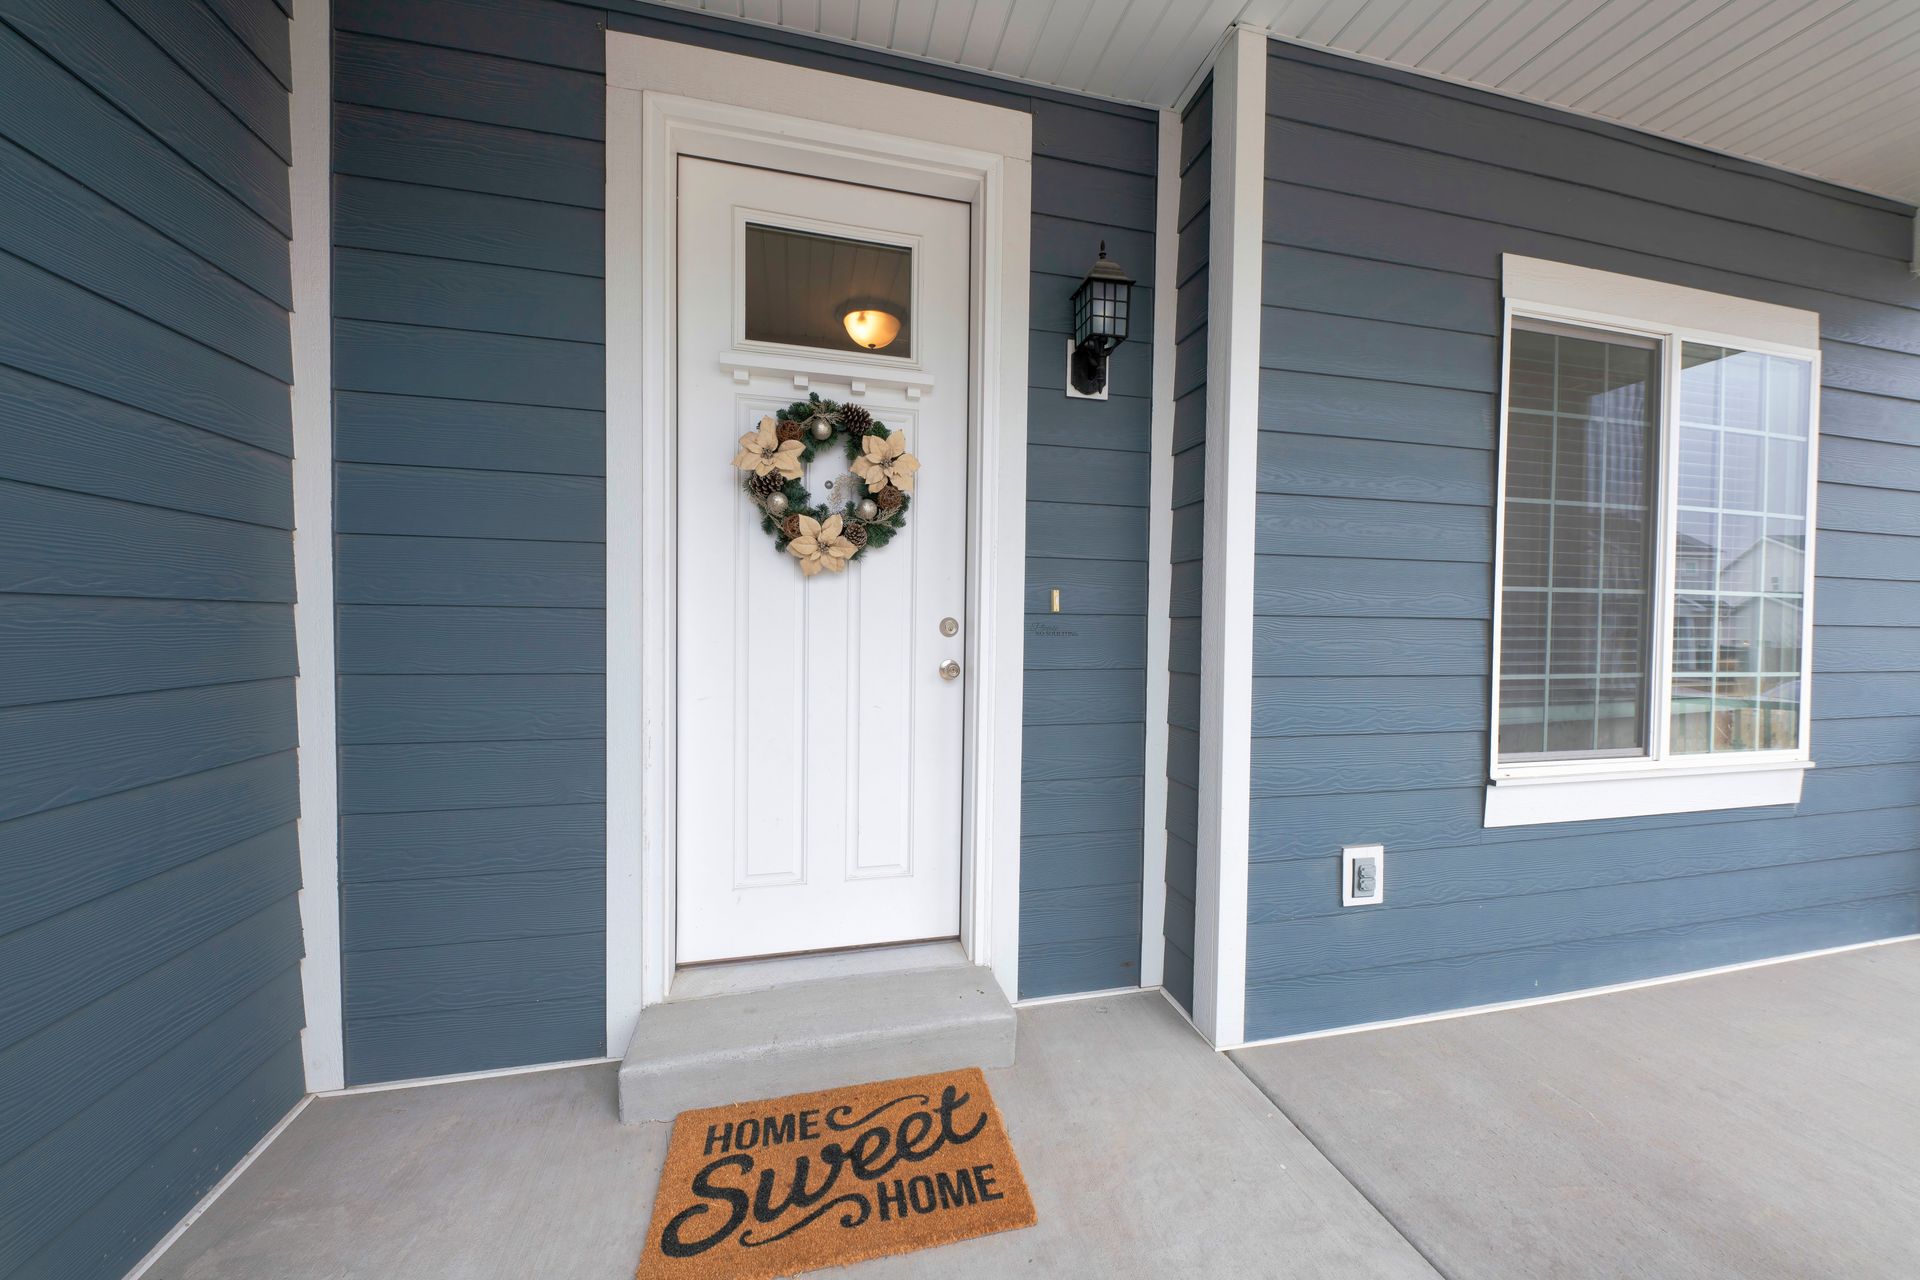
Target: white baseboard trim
{"points": [[1070, 996], [219, 1188], [421, 1082], [1581, 994]]}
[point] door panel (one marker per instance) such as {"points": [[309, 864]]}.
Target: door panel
{"points": [[820, 750]]}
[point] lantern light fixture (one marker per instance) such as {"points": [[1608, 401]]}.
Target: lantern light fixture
{"points": [[1100, 310]]}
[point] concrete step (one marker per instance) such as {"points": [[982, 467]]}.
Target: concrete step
{"points": [[813, 1035]]}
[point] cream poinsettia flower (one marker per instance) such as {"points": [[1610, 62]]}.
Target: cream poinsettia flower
{"points": [[763, 452], [821, 544], [886, 462]]}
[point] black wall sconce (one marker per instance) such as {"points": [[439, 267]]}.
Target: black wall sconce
{"points": [[1100, 308]]}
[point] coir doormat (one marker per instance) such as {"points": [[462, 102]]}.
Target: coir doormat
{"points": [[762, 1189]]}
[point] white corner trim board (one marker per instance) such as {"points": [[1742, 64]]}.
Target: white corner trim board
{"points": [[322, 1042], [665, 99], [1227, 590], [1153, 862]]}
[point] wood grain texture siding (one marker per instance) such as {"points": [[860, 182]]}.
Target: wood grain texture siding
{"points": [[60, 437], [471, 567], [1087, 466], [111, 1139], [59, 118], [124, 1031], [97, 43], [1389, 207], [112, 1235], [150, 1002]]}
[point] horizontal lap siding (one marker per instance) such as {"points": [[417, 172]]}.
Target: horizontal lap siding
{"points": [[469, 375], [1189, 506], [1389, 202], [1087, 465], [470, 545], [150, 1005]]}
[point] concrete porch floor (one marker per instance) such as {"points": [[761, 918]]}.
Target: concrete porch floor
{"points": [[1147, 1154], [1757, 1124]]}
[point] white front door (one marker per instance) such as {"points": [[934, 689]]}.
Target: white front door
{"points": [[820, 747]]}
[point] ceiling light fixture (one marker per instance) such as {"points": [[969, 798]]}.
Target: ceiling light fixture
{"points": [[871, 327]]}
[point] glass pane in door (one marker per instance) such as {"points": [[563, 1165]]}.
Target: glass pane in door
{"points": [[803, 289]]}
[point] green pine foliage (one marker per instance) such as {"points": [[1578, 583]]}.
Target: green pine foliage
{"points": [[800, 500]]}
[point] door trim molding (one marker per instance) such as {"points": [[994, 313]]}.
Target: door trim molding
{"points": [[665, 99]]}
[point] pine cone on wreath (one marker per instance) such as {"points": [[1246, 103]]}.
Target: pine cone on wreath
{"points": [[855, 532], [790, 527], [888, 500], [764, 487], [855, 420], [789, 430]]}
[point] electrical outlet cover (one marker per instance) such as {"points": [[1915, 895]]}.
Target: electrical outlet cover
{"points": [[1353, 858]]}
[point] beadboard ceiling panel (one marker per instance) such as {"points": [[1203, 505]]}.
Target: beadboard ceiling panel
{"points": [[1829, 88]]}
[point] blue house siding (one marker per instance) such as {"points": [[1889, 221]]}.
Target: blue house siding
{"points": [[150, 1004], [1189, 520], [1389, 202], [469, 373]]}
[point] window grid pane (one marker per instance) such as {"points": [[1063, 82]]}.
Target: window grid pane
{"points": [[1582, 430], [1741, 551]]}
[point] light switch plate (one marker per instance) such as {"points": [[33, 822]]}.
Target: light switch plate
{"points": [[1355, 858]]}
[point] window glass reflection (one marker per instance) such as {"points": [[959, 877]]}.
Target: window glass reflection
{"points": [[808, 290]]}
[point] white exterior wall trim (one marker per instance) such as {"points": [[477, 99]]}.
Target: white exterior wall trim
{"points": [[1226, 607], [1166, 254], [322, 1043], [664, 98]]}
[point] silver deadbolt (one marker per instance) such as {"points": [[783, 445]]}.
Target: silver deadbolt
{"points": [[949, 670], [949, 627]]}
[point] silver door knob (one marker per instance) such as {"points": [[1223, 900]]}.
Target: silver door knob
{"points": [[949, 670], [949, 627]]}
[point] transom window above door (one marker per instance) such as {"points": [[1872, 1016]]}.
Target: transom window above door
{"points": [[1654, 569], [804, 288]]}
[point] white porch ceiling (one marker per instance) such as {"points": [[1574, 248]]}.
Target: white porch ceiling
{"points": [[1829, 88]]}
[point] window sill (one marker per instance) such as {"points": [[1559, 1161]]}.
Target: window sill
{"points": [[1526, 802]]}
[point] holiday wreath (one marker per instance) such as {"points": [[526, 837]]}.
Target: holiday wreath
{"points": [[826, 535]]}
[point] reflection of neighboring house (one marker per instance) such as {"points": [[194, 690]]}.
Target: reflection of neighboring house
{"points": [[1693, 615], [1783, 565], [1743, 621]]}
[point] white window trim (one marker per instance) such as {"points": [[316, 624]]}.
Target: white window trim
{"points": [[1524, 793]]}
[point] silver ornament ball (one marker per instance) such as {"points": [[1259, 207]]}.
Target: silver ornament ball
{"points": [[867, 509], [776, 504], [821, 429]]}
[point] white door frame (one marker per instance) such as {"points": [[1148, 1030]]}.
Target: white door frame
{"points": [[665, 99]]}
